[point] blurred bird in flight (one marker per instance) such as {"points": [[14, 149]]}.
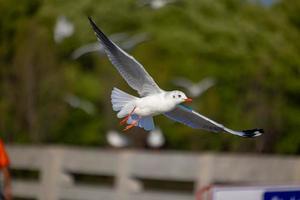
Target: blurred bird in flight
{"points": [[77, 102], [117, 140], [195, 89], [139, 111], [155, 4], [156, 138], [122, 39], [63, 29]]}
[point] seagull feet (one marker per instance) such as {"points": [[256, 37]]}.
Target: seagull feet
{"points": [[124, 120], [127, 117], [134, 123]]}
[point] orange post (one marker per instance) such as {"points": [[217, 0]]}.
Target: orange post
{"points": [[4, 160]]}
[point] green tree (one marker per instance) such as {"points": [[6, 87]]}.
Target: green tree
{"points": [[252, 51]]}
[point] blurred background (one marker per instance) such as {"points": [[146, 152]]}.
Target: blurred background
{"points": [[55, 83]]}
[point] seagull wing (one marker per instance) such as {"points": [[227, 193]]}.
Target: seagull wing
{"points": [[129, 68], [195, 120], [205, 84], [183, 82], [118, 37], [134, 40], [95, 46], [92, 47]]}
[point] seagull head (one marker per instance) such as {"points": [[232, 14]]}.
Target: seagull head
{"points": [[179, 97]]}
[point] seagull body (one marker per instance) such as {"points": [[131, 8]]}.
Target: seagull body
{"points": [[195, 89], [153, 105], [153, 100]]}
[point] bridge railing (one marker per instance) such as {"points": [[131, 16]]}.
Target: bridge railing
{"points": [[69, 173]]}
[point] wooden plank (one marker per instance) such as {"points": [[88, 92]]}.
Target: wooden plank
{"points": [[259, 169], [86, 193], [172, 166], [90, 161], [27, 189], [25, 157], [161, 196]]}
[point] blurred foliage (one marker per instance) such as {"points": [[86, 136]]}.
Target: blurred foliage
{"points": [[251, 50]]}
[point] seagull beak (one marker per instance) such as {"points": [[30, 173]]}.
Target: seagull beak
{"points": [[188, 100]]}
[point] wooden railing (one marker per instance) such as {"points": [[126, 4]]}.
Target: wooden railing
{"points": [[137, 175]]}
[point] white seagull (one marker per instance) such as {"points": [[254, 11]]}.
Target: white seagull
{"points": [[156, 138], [139, 111], [63, 29], [95, 46], [155, 4], [195, 89], [117, 140], [77, 102], [126, 42]]}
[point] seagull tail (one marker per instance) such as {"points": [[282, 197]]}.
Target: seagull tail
{"points": [[121, 101]]}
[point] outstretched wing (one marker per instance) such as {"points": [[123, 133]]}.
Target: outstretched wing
{"points": [[95, 46], [195, 120], [129, 68], [205, 84], [92, 47], [183, 82], [133, 41]]}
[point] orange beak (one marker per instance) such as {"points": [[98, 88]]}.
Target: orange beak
{"points": [[188, 100]]}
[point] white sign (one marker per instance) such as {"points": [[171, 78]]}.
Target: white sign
{"points": [[256, 193]]}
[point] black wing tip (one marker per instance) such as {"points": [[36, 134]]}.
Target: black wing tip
{"points": [[252, 132], [100, 35], [93, 24]]}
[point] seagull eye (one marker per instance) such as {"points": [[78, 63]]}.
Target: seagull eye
{"points": [[179, 96], [173, 96]]}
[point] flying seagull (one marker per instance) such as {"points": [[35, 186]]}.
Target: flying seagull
{"points": [[134, 40], [117, 140], [156, 138], [195, 89], [63, 29], [95, 46], [77, 102], [125, 42], [139, 111], [155, 4]]}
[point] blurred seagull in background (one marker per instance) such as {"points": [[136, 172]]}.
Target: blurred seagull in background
{"points": [[123, 39], [76, 102], [139, 111], [195, 89], [95, 46], [155, 4], [134, 40], [156, 138], [117, 140], [63, 29]]}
